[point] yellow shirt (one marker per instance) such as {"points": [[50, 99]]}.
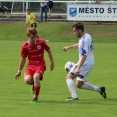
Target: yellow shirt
{"points": [[31, 18]]}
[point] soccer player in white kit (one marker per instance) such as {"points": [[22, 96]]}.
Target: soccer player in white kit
{"points": [[84, 66]]}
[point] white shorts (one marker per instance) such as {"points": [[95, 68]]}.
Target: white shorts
{"points": [[84, 72]]}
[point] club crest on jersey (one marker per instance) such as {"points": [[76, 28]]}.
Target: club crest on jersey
{"points": [[39, 47]]}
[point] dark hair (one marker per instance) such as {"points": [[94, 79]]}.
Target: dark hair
{"points": [[78, 26]]}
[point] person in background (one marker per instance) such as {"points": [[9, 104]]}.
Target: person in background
{"points": [[31, 19], [43, 8]]}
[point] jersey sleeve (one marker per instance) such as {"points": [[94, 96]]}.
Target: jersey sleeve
{"points": [[85, 46], [46, 47], [23, 52]]}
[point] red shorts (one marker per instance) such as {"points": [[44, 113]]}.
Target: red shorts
{"points": [[31, 71]]}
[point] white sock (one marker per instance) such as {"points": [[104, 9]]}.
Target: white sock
{"points": [[88, 86], [71, 86]]}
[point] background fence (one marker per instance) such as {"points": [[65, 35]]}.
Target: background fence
{"points": [[59, 6], [59, 10]]}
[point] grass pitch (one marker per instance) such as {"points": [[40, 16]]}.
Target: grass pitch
{"points": [[15, 95], [59, 32]]}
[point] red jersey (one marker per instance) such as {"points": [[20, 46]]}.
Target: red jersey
{"points": [[35, 52]]}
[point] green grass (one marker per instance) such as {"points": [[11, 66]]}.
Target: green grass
{"points": [[59, 32], [15, 95]]}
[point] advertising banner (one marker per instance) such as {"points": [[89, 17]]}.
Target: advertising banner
{"points": [[92, 12]]}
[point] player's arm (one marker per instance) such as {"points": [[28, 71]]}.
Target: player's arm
{"points": [[51, 59], [26, 24], [84, 53], [80, 63], [21, 65], [70, 47]]}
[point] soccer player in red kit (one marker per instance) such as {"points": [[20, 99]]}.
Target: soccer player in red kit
{"points": [[34, 50]]}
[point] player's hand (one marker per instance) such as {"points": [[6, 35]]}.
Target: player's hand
{"points": [[65, 48], [77, 72], [52, 67], [17, 76]]}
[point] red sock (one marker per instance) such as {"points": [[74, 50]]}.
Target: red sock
{"points": [[36, 90]]}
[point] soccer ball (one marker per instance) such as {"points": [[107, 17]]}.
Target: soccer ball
{"points": [[69, 65]]}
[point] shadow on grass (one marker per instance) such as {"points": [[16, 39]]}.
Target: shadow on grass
{"points": [[108, 101]]}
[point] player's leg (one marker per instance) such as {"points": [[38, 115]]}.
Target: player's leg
{"points": [[28, 79], [41, 14], [82, 84], [35, 26], [45, 10], [28, 76], [71, 87], [31, 25], [37, 86], [87, 86], [38, 76], [70, 83]]}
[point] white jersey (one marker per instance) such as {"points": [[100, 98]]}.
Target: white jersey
{"points": [[42, 4], [85, 47]]}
